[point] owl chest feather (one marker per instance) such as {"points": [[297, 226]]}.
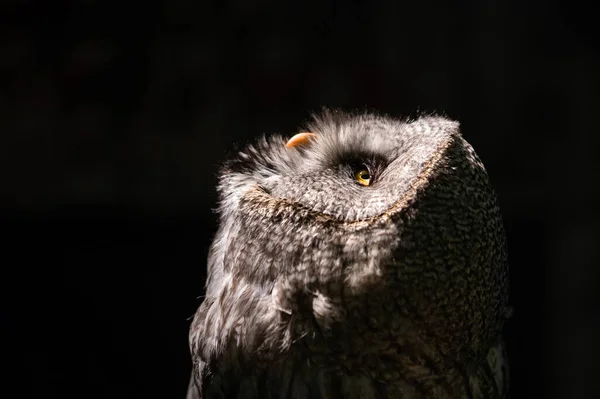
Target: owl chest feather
{"points": [[356, 320]]}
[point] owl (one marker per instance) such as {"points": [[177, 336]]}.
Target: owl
{"points": [[362, 258]]}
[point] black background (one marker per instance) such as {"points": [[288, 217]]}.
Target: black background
{"points": [[115, 116]]}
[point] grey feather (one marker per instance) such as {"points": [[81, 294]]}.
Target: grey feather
{"points": [[319, 287]]}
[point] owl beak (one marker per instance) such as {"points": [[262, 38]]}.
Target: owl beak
{"points": [[300, 139]]}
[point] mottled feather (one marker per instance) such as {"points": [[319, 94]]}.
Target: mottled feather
{"points": [[319, 287]]}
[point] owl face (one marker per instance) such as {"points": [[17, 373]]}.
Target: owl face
{"points": [[350, 168]]}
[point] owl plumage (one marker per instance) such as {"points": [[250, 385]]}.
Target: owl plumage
{"points": [[322, 286]]}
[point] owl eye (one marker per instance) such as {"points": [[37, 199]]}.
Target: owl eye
{"points": [[362, 176]]}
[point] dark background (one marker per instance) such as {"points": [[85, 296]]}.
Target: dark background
{"points": [[114, 118]]}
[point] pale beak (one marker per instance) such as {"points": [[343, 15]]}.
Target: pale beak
{"points": [[300, 139]]}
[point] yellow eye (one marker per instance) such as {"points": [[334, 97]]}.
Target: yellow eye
{"points": [[363, 177]]}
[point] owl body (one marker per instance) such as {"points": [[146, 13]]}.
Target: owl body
{"points": [[319, 287]]}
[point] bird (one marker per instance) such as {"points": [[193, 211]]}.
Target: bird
{"points": [[363, 257]]}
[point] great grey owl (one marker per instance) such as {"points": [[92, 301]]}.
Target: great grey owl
{"points": [[365, 258]]}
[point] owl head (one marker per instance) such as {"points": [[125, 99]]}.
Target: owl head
{"points": [[349, 167]]}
